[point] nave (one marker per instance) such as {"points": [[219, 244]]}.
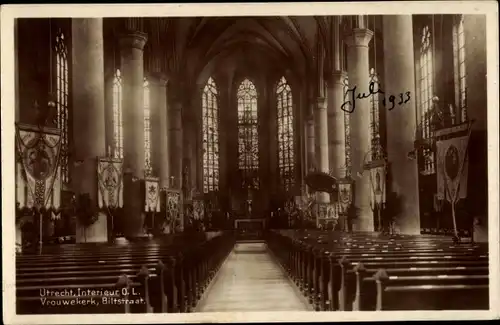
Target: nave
{"points": [[251, 280], [293, 270]]}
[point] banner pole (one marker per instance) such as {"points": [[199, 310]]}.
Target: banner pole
{"points": [[454, 218], [41, 228]]}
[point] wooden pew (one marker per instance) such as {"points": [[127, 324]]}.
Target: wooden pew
{"points": [[305, 260], [100, 271]]}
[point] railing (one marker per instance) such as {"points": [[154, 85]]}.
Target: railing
{"points": [[250, 229]]}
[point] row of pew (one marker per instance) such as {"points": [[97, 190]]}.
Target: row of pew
{"points": [[166, 275], [369, 272]]}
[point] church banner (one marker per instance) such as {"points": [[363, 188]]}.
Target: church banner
{"points": [[377, 182], [173, 208], [452, 166], [152, 194], [198, 209], [345, 195], [110, 182], [38, 173]]}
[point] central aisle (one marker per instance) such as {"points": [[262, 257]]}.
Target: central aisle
{"points": [[250, 280]]}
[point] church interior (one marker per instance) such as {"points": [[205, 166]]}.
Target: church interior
{"points": [[195, 164]]}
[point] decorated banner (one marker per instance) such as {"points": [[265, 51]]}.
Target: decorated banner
{"points": [[377, 181], [345, 195], [152, 194], [110, 182], [173, 206], [198, 209], [452, 166], [289, 206], [38, 174]]}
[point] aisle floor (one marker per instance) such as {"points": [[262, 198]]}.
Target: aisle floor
{"points": [[250, 280]]}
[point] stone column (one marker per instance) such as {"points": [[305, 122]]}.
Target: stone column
{"points": [[358, 71], [477, 110], [109, 116], [159, 128], [310, 142], [175, 143], [321, 128], [89, 132], [336, 127], [401, 122], [187, 164], [132, 68]]}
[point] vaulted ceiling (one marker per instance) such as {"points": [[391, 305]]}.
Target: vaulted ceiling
{"points": [[192, 48]]}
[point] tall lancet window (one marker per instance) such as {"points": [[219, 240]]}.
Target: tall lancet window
{"points": [[248, 137], [117, 115], [147, 129], [62, 91], [460, 74], [210, 113], [347, 130], [376, 153], [285, 134], [425, 70]]}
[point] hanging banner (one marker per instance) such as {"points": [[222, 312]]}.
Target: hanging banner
{"points": [[173, 205], [110, 182], [152, 194], [378, 182], [345, 195], [452, 167], [198, 209], [37, 168]]}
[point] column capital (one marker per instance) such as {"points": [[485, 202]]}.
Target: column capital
{"points": [[335, 78], [133, 39], [320, 103], [359, 37], [158, 78]]}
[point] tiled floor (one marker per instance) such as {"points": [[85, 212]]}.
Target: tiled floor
{"points": [[250, 280]]}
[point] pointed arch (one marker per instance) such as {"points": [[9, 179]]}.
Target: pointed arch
{"points": [[286, 157], [248, 137], [62, 99], [117, 115], [210, 114]]}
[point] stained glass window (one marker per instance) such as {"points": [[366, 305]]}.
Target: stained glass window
{"points": [[425, 71], [62, 91], [376, 153], [210, 112], [460, 73], [117, 115], [147, 129], [347, 131], [248, 137], [285, 134]]}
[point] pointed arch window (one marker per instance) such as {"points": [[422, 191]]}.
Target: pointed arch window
{"points": [[248, 137], [375, 151], [425, 70], [210, 113], [347, 130], [147, 129], [285, 134], [459, 68], [117, 115], [62, 94]]}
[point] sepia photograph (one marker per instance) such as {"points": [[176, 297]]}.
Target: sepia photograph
{"points": [[211, 163]]}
